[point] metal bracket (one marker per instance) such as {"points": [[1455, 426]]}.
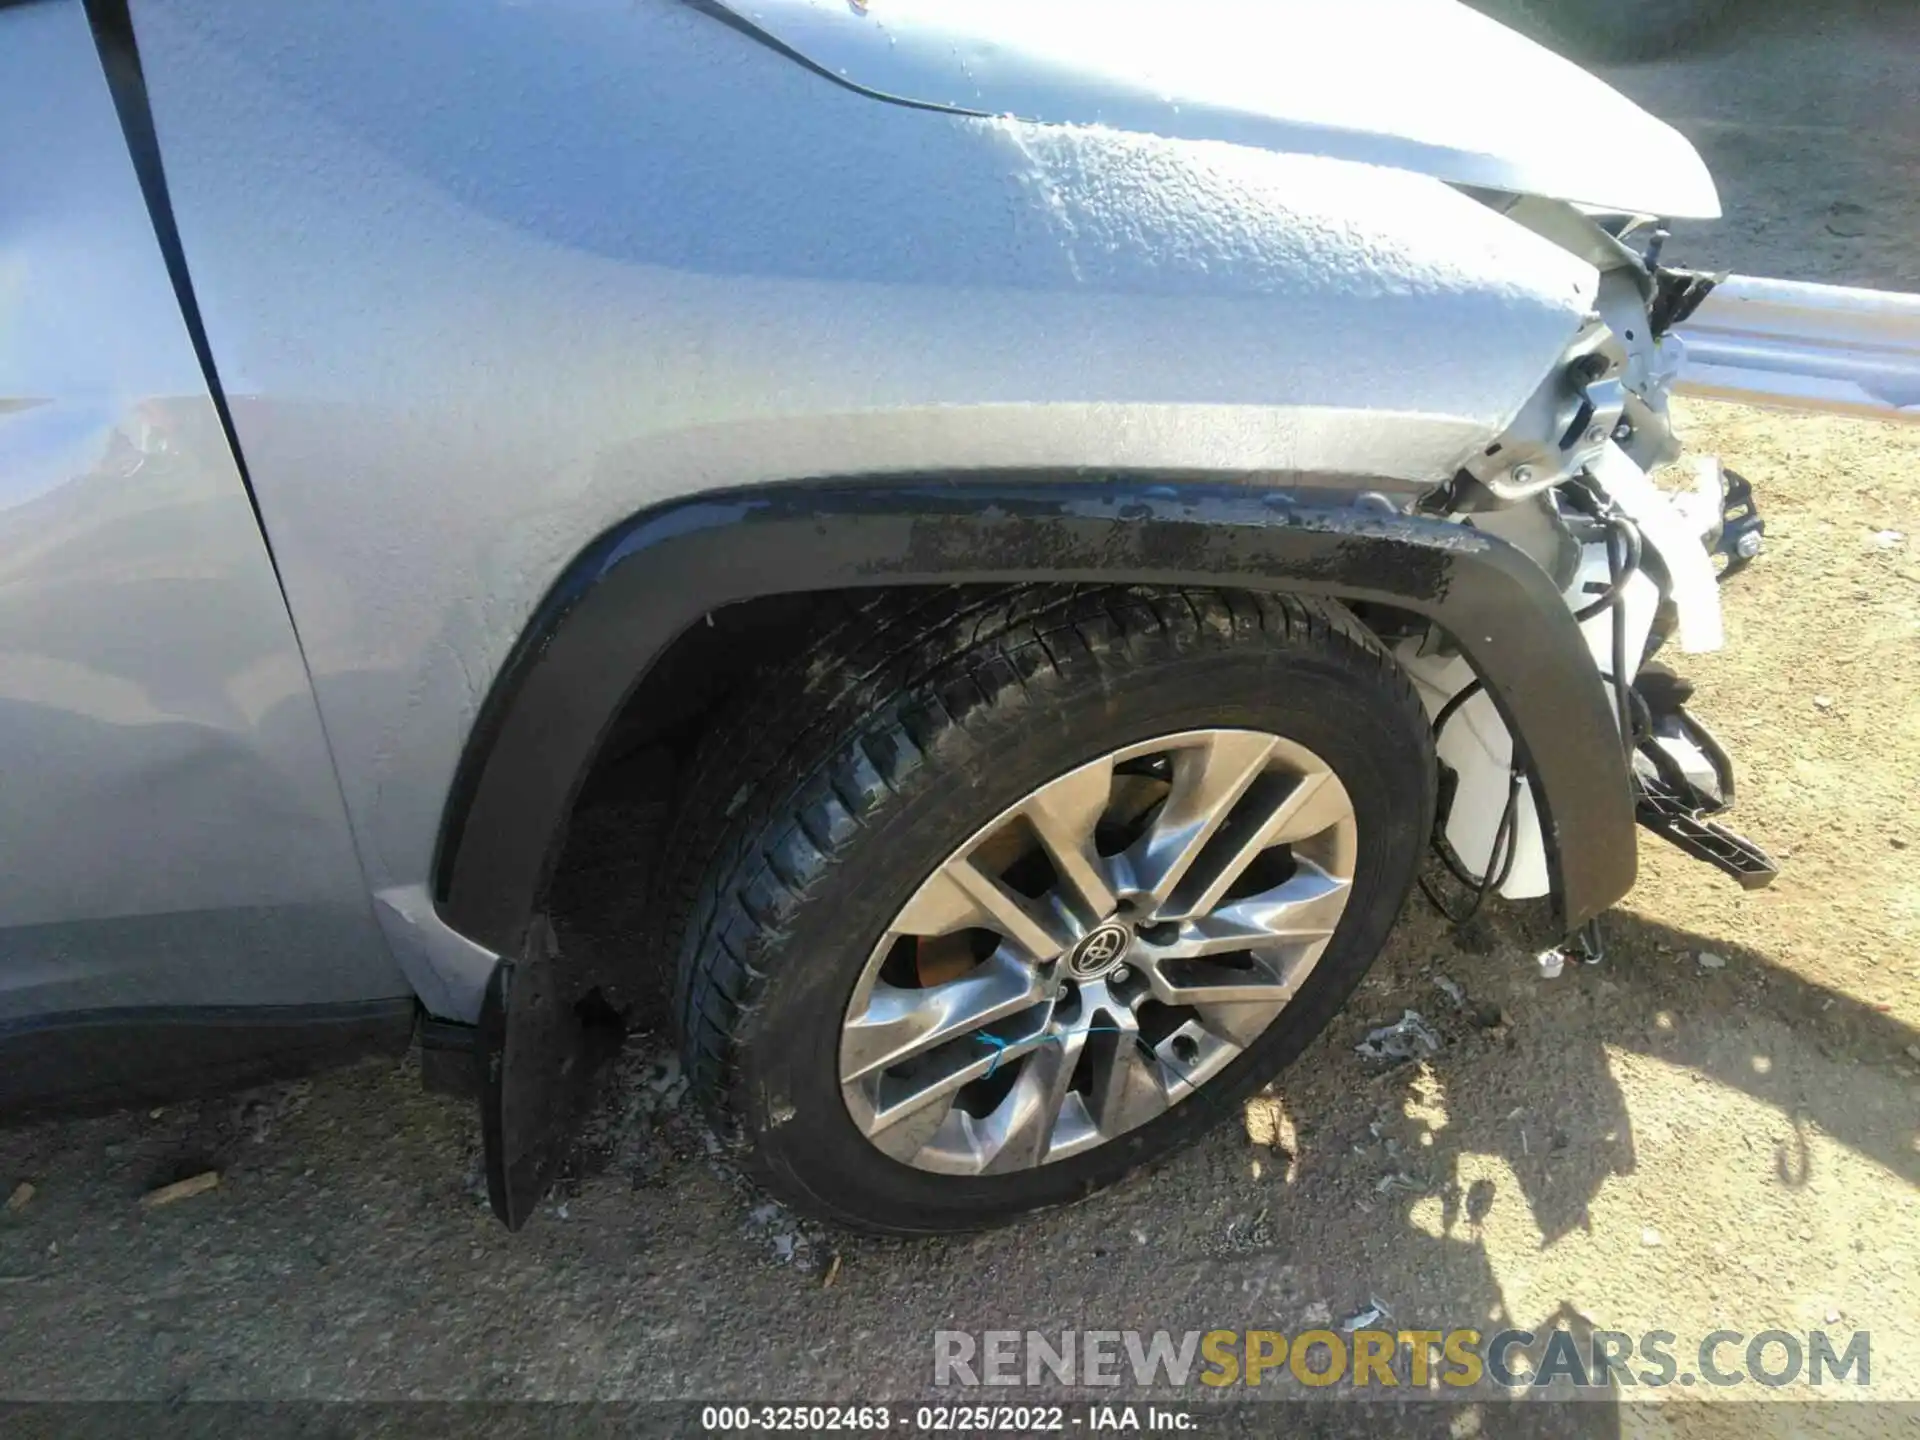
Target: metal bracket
{"points": [[1742, 531], [1669, 817]]}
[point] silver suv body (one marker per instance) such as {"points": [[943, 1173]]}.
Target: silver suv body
{"points": [[386, 390]]}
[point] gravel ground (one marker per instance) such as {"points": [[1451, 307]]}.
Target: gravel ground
{"points": [[1656, 1142], [1810, 119]]}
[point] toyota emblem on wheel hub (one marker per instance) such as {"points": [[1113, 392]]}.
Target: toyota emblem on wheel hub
{"points": [[1106, 944]]}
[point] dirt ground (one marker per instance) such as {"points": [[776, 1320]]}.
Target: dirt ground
{"points": [[1658, 1141], [1809, 117]]}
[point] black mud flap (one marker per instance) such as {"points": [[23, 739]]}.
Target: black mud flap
{"points": [[543, 1037]]}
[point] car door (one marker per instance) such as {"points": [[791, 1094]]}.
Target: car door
{"points": [[179, 892]]}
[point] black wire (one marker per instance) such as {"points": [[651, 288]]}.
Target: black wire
{"points": [[1642, 712], [1505, 833], [1621, 568], [1620, 574], [1617, 574], [1623, 564], [1623, 707], [1447, 711], [1440, 846]]}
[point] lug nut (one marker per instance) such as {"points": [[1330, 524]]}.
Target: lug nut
{"points": [[1521, 475], [1748, 545], [1596, 434], [1622, 433], [1121, 974]]}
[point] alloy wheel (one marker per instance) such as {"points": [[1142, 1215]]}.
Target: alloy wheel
{"points": [[1097, 952]]}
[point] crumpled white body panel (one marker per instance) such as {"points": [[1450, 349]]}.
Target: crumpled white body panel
{"points": [[1423, 85]]}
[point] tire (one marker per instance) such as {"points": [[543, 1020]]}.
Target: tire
{"points": [[817, 809]]}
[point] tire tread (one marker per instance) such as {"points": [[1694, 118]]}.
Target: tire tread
{"points": [[787, 782]]}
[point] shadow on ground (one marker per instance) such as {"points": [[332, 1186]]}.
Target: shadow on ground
{"points": [[348, 1252]]}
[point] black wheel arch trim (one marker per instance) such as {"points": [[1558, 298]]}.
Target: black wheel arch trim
{"points": [[632, 592]]}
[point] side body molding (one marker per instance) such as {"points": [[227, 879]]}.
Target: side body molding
{"points": [[627, 597]]}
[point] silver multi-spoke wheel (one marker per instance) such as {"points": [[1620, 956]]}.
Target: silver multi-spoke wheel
{"points": [[1098, 951]]}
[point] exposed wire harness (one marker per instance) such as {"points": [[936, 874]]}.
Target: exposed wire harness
{"points": [[1625, 551], [1493, 878]]}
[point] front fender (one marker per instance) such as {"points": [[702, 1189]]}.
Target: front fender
{"points": [[595, 259], [622, 603]]}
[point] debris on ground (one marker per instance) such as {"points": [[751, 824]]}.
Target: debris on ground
{"points": [[1399, 1182], [1551, 963], [1318, 1313], [1367, 1318], [666, 1074], [181, 1189], [1847, 220], [21, 1197], [1650, 1237], [1246, 1234], [1707, 960], [1268, 1124], [1823, 702], [1408, 1038], [833, 1272], [791, 1246], [1888, 539], [259, 1114], [1451, 989]]}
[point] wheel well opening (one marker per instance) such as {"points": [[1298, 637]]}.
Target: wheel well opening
{"points": [[603, 903], [603, 900]]}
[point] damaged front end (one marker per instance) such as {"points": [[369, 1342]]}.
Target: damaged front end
{"points": [[1572, 483]]}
